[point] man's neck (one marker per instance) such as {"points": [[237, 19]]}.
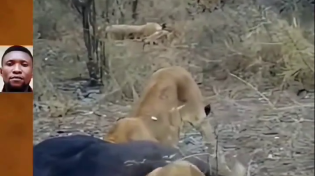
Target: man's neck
{"points": [[9, 88]]}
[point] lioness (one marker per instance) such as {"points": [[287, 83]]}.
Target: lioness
{"points": [[167, 88], [173, 87], [143, 128], [161, 37], [125, 31], [186, 168], [177, 168]]}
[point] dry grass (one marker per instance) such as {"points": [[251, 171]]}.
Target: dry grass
{"points": [[248, 40]]}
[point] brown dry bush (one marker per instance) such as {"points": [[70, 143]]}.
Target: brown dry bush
{"points": [[246, 39]]}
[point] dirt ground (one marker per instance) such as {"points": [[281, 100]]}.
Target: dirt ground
{"points": [[271, 140]]}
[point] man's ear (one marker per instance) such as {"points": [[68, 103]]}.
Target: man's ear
{"points": [[0, 71], [207, 109]]}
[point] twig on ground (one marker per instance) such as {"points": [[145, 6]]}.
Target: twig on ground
{"points": [[254, 88]]}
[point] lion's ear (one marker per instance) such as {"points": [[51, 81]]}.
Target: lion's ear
{"points": [[163, 25], [207, 109]]}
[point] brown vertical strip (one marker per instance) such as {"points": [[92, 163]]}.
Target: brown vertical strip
{"points": [[16, 134], [16, 21]]}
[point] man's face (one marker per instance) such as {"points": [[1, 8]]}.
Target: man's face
{"points": [[17, 69]]}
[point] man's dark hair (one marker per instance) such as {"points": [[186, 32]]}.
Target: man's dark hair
{"points": [[16, 48]]}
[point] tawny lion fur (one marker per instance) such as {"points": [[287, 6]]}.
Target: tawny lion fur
{"points": [[172, 87], [161, 37], [177, 168], [185, 168], [157, 37], [123, 31], [169, 88], [167, 36], [131, 129]]}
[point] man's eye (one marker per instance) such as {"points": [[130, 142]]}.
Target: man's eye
{"points": [[9, 64], [24, 64]]}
